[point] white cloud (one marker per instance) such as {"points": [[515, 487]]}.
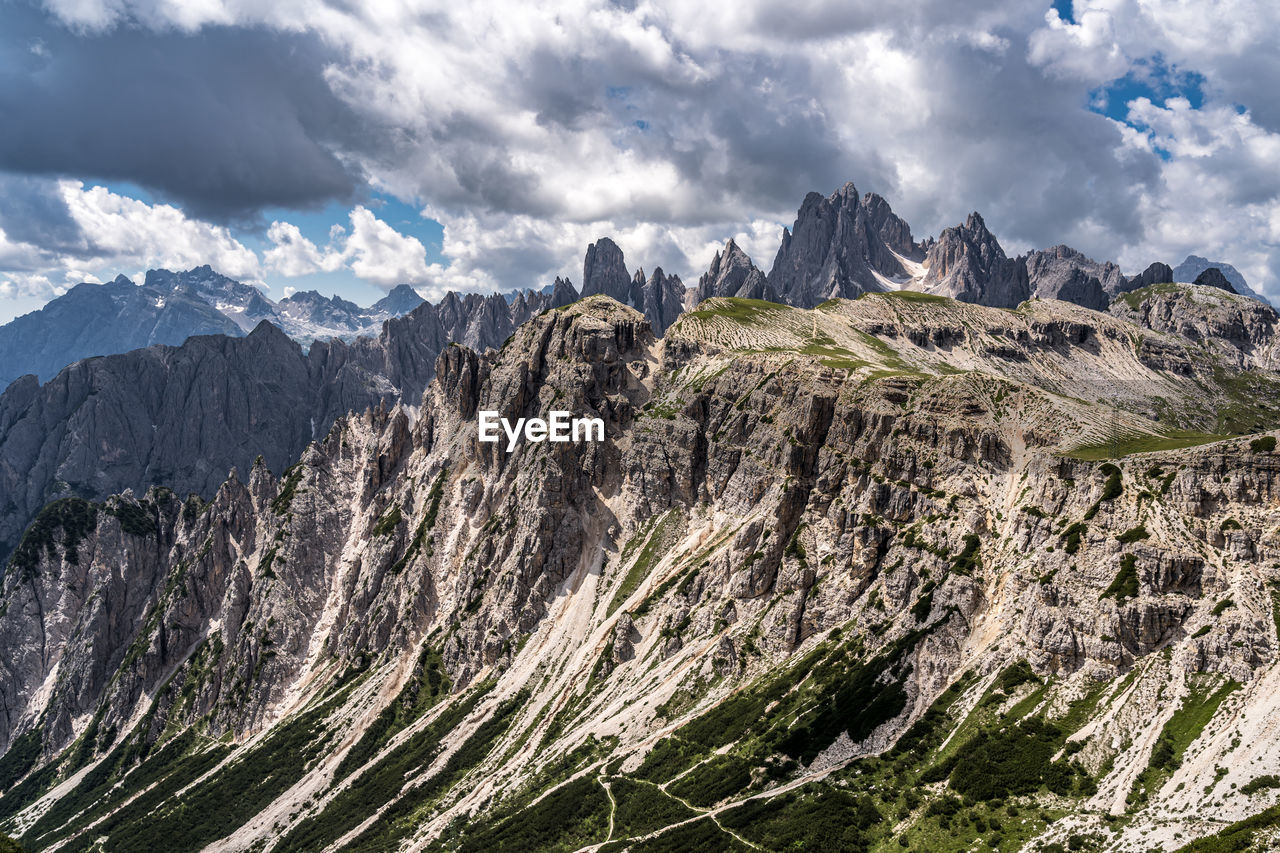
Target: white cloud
{"points": [[372, 250], [122, 232], [530, 129], [293, 254], [378, 253], [1219, 192], [1085, 50]]}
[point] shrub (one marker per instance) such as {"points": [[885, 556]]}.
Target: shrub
{"points": [[1266, 444], [1113, 488], [1133, 534], [1262, 783], [1006, 763], [970, 558], [1072, 537], [1125, 584]]}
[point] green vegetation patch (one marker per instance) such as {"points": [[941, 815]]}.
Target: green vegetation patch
{"points": [[643, 807], [402, 817], [22, 755], [1145, 443], [1261, 783], [970, 559], [656, 536], [716, 779], [797, 712], [288, 489], [74, 517], [1178, 734], [1237, 837], [425, 526], [703, 836], [1071, 537], [216, 807], [569, 817], [136, 519], [381, 783], [1266, 444], [426, 687], [911, 296], [388, 522], [1013, 761], [815, 817], [1125, 583], [1133, 534], [748, 312]]}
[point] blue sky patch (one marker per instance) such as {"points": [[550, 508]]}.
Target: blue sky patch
{"points": [[1150, 78]]}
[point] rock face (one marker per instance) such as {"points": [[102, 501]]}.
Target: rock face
{"points": [[1156, 273], [1193, 265], [733, 274], [1063, 273], [968, 264], [399, 301], [841, 246], [182, 415], [305, 316], [96, 319], [1213, 277], [160, 416], [661, 299], [1234, 327], [244, 304], [790, 572], [604, 272]]}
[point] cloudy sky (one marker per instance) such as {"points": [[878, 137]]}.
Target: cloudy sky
{"points": [[347, 147]]}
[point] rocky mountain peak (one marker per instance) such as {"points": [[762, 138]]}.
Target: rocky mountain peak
{"points": [[839, 246], [1213, 277], [1193, 265], [968, 264], [1155, 273], [732, 273], [661, 298], [1061, 272], [400, 300], [892, 229], [1232, 327], [604, 270], [562, 293]]}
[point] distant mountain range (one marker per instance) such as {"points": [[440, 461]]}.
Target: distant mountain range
{"points": [[169, 307], [1194, 265], [842, 245]]}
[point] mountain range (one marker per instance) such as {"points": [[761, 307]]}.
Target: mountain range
{"points": [[839, 246], [899, 546], [167, 308]]}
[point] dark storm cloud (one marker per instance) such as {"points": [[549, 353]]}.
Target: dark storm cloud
{"points": [[225, 121], [32, 211], [738, 142]]}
